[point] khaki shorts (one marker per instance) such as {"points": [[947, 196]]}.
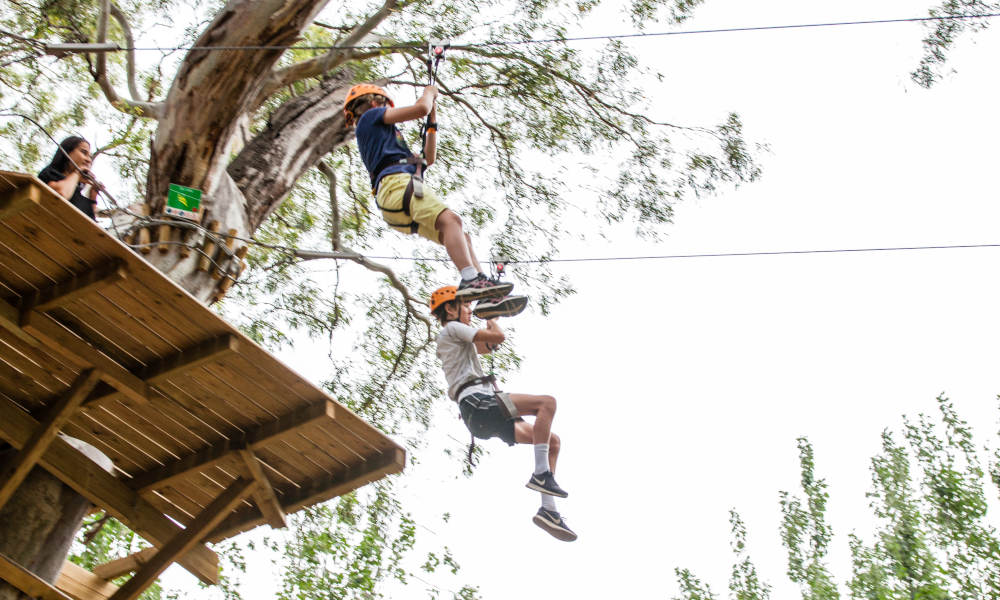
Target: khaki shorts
{"points": [[423, 211]]}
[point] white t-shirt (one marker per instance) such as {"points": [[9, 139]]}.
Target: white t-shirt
{"points": [[459, 358]]}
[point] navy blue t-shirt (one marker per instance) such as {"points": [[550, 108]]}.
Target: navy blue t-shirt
{"points": [[85, 204], [381, 146]]}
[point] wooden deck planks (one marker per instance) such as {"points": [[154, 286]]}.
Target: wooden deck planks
{"points": [[145, 326], [102, 332], [34, 361], [18, 274], [31, 258]]}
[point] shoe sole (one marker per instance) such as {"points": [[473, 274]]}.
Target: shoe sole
{"points": [[472, 294], [538, 488], [509, 308], [554, 530]]}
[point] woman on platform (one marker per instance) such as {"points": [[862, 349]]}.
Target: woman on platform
{"points": [[69, 175]]}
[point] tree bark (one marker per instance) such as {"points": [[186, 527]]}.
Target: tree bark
{"points": [[38, 525], [214, 88], [300, 132]]}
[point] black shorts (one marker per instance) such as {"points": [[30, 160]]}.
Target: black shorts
{"points": [[482, 414]]}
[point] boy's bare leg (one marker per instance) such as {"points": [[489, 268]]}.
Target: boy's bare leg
{"points": [[543, 408], [449, 226], [539, 433]]}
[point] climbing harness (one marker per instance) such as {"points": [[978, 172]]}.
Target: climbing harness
{"points": [[415, 187]]}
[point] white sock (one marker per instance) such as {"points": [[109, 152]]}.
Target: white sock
{"points": [[541, 458], [469, 273], [549, 502]]}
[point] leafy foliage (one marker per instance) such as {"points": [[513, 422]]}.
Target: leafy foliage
{"points": [[744, 583], [932, 539], [103, 539], [805, 533], [943, 34]]}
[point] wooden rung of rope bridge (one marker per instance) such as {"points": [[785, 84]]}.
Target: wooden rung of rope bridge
{"points": [[205, 428]]}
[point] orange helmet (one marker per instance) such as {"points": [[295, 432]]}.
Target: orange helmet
{"points": [[359, 90], [442, 295]]}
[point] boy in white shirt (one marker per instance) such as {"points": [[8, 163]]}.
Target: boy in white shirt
{"points": [[459, 347]]}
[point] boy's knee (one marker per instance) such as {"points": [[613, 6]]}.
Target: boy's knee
{"points": [[553, 442], [549, 402], [448, 219]]}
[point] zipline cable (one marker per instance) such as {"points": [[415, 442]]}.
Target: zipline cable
{"points": [[307, 254], [704, 255], [621, 36]]}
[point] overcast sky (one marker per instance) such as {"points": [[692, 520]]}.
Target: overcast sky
{"points": [[683, 384]]}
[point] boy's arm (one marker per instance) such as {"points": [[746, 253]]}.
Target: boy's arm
{"points": [[488, 339], [420, 109]]}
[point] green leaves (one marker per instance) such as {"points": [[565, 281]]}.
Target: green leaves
{"points": [[943, 34], [805, 533], [744, 583], [932, 538]]}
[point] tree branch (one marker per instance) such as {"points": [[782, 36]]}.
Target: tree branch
{"points": [[331, 60], [346, 254], [331, 176], [119, 16], [581, 88], [152, 110], [351, 255]]}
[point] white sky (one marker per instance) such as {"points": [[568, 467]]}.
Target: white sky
{"points": [[685, 399]]}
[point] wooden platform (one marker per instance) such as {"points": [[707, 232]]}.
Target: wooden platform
{"points": [[205, 428]]}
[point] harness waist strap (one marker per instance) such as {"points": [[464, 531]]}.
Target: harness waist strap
{"points": [[474, 381]]}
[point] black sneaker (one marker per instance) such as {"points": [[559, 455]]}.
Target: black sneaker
{"points": [[550, 521], [508, 306], [546, 484], [482, 287]]}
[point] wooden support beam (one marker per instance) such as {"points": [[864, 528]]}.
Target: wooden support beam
{"points": [[263, 494], [76, 287], [213, 514], [132, 562], [80, 584], [216, 453], [26, 581], [210, 351], [21, 198], [318, 490], [75, 349], [88, 479], [10, 319], [19, 465]]}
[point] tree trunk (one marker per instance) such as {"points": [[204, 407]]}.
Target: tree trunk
{"points": [[299, 133], [214, 89], [39, 523]]}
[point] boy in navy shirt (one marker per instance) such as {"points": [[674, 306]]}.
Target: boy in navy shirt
{"points": [[409, 206]]}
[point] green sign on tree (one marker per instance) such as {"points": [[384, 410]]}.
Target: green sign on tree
{"points": [[183, 202]]}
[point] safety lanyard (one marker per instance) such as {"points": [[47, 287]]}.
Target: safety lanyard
{"points": [[435, 54]]}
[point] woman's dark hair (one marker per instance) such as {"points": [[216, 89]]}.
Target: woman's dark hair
{"points": [[60, 161]]}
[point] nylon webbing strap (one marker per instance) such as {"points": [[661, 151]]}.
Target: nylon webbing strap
{"points": [[475, 381]]}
